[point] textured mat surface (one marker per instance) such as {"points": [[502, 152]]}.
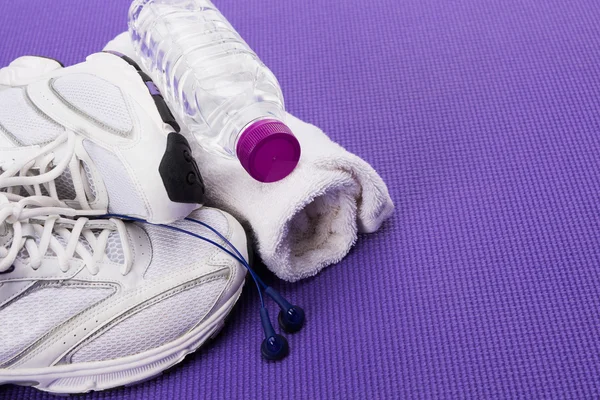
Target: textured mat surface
{"points": [[484, 119]]}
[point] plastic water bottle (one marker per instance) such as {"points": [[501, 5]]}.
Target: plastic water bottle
{"points": [[228, 98]]}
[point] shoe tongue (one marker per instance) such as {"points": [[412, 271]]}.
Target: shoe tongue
{"points": [[65, 188], [114, 248]]}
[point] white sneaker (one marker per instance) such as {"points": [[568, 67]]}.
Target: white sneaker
{"points": [[95, 136], [91, 305]]}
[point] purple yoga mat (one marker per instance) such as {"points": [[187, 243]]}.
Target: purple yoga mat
{"points": [[484, 119]]}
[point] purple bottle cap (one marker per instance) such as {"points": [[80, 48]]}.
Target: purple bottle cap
{"points": [[268, 150]]}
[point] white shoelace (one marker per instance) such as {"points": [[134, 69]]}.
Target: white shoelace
{"points": [[20, 174], [43, 220]]}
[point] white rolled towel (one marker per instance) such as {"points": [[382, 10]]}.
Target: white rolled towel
{"points": [[307, 221]]}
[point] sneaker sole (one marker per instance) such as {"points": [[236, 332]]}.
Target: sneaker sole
{"points": [[127, 371]]}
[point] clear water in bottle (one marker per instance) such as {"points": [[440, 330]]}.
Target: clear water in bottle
{"points": [[218, 86]]}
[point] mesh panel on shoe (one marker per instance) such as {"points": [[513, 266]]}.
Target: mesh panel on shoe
{"points": [[114, 248], [23, 255], [64, 186], [90, 179], [154, 326], [28, 318], [172, 250], [122, 194], [23, 121], [62, 241], [96, 98], [85, 244]]}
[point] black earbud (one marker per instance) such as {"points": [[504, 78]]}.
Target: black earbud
{"points": [[291, 317], [275, 347], [291, 320]]}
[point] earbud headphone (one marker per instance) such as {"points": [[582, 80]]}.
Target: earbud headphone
{"points": [[291, 317], [291, 320]]}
